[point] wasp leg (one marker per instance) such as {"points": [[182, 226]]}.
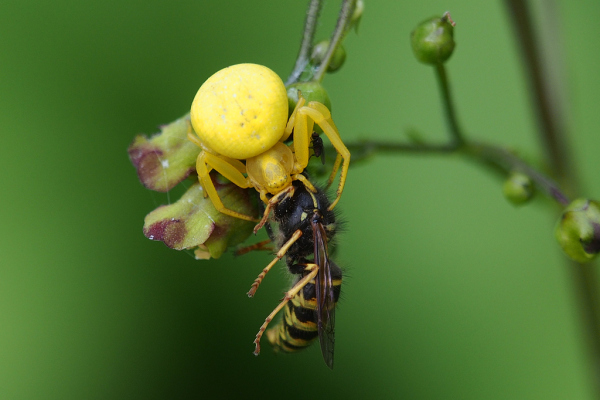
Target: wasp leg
{"points": [[278, 257], [260, 246], [313, 270], [271, 203]]}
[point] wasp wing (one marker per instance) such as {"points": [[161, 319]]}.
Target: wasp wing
{"points": [[325, 295]]}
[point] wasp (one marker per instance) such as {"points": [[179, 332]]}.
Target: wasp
{"points": [[305, 227]]}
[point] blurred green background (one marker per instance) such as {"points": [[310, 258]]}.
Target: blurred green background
{"points": [[450, 291]]}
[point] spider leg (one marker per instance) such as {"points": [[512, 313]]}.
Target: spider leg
{"points": [[303, 128], [322, 117], [204, 164], [292, 121], [305, 181]]}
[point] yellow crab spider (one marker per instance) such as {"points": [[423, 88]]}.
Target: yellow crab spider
{"points": [[240, 114]]}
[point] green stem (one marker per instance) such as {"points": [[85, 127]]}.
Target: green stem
{"points": [[551, 131], [364, 149], [500, 159], [310, 27], [509, 162], [451, 119], [341, 28], [489, 154], [548, 111]]}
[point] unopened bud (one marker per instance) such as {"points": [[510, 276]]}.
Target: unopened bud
{"points": [[578, 230], [359, 8], [433, 40], [518, 188], [311, 91], [337, 59]]}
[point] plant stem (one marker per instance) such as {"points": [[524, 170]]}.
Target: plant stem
{"points": [[451, 119], [489, 154], [551, 131], [336, 38], [372, 146], [509, 162], [310, 27], [500, 159], [548, 112]]}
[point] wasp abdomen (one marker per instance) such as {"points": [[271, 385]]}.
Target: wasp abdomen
{"points": [[298, 327]]}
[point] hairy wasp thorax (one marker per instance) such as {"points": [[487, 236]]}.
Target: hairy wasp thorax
{"points": [[295, 212]]}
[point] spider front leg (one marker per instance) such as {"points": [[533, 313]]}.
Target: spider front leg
{"points": [[306, 117], [302, 128], [230, 169]]}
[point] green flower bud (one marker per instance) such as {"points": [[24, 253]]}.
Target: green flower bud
{"points": [[578, 230], [518, 188], [359, 8], [337, 60], [433, 40], [311, 91]]}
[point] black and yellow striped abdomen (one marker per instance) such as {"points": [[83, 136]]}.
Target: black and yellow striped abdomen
{"points": [[297, 328]]}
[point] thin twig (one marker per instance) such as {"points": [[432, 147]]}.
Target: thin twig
{"points": [[310, 27], [552, 135], [336, 38], [509, 162], [373, 146], [551, 131], [501, 159], [448, 104]]}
